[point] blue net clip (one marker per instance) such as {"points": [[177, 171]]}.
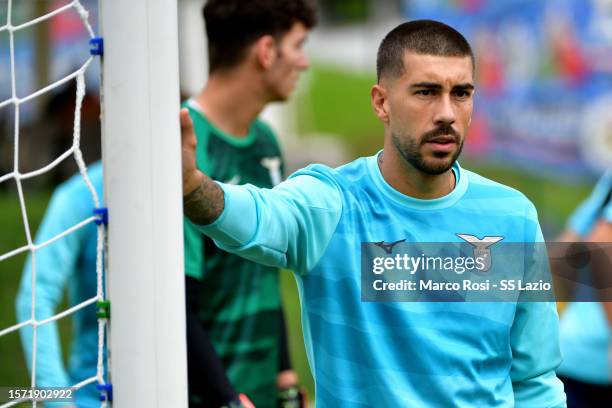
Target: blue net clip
{"points": [[102, 215], [106, 391], [96, 46]]}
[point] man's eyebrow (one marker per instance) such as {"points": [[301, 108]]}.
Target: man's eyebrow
{"points": [[428, 85], [464, 87], [432, 85]]}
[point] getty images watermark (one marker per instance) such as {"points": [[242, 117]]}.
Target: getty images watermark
{"points": [[485, 269]]}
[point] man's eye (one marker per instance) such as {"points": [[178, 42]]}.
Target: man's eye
{"points": [[424, 92], [462, 94]]}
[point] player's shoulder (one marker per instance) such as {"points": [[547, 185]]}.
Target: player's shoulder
{"points": [[316, 170], [485, 185], [342, 177], [481, 187]]}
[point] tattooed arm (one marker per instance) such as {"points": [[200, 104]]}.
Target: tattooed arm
{"points": [[204, 204], [203, 200]]}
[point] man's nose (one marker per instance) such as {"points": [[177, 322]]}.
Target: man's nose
{"points": [[445, 111]]}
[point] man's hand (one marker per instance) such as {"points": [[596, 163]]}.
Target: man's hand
{"points": [[192, 177], [203, 199]]}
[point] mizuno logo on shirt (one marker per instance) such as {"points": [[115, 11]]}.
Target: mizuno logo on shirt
{"points": [[388, 246]]}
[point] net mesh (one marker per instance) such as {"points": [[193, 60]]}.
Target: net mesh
{"points": [[75, 151]]}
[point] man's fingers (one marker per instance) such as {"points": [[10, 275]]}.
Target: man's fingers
{"points": [[191, 175], [186, 122], [187, 132]]}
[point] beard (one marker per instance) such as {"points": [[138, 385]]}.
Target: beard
{"points": [[410, 149]]}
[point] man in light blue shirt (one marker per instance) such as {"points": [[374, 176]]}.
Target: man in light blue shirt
{"points": [[585, 326], [69, 263], [393, 354]]}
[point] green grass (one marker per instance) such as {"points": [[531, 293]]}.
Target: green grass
{"points": [[13, 370], [338, 102]]}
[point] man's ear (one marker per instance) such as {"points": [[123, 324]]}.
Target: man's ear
{"points": [[380, 102], [265, 51]]}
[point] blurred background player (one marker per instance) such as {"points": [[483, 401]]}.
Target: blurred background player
{"points": [[585, 331], [69, 263], [256, 56]]}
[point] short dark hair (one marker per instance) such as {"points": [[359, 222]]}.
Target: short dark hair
{"points": [[234, 25], [426, 37]]}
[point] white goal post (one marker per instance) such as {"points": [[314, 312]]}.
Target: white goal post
{"points": [[142, 184]]}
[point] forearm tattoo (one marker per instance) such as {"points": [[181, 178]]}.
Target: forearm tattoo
{"points": [[204, 204]]}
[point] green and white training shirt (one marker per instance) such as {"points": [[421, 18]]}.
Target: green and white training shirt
{"points": [[240, 303]]}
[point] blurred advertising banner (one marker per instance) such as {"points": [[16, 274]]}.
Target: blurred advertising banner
{"points": [[544, 75]]}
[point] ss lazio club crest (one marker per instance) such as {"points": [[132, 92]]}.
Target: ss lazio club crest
{"points": [[481, 247]]}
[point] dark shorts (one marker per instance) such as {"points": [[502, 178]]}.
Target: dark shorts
{"points": [[585, 395]]}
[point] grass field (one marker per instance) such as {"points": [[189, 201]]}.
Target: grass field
{"points": [[12, 363]]}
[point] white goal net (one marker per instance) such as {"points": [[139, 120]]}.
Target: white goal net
{"points": [[31, 326]]}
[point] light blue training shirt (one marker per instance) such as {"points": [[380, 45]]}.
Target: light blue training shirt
{"points": [[584, 329], [397, 354], [68, 262]]}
